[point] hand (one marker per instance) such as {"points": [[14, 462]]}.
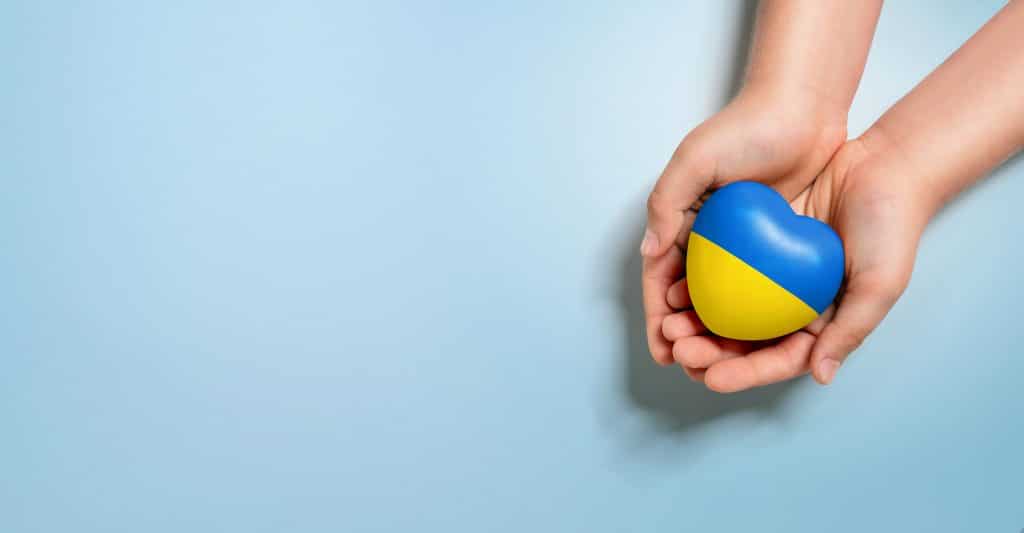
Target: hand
{"points": [[878, 192], [880, 218], [783, 139]]}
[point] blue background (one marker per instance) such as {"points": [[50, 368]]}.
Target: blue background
{"points": [[321, 266]]}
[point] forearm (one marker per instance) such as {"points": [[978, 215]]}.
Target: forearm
{"points": [[962, 120], [812, 50]]}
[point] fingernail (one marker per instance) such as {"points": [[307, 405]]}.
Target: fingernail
{"points": [[649, 244], [827, 370]]}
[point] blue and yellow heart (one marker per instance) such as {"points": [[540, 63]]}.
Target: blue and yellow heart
{"points": [[755, 269]]}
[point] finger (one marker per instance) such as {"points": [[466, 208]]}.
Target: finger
{"points": [[679, 295], [679, 325], [695, 374], [865, 303], [784, 360], [684, 179], [704, 351], [823, 319], [658, 274]]}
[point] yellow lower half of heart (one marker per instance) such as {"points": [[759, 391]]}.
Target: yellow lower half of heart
{"points": [[734, 300]]}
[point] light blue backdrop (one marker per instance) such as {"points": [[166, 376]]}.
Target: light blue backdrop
{"points": [[321, 266]]}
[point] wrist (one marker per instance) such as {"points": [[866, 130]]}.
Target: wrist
{"points": [[809, 123], [885, 166], [802, 100]]}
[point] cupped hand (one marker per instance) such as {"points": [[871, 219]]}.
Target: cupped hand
{"points": [[778, 138], [880, 218]]}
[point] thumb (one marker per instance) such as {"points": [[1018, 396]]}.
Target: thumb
{"points": [[685, 178], [868, 298]]}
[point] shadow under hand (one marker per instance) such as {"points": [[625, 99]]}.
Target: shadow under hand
{"points": [[744, 34], [676, 403]]}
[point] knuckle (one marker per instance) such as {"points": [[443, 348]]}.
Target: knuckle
{"points": [[852, 337], [658, 204], [694, 148], [679, 354], [685, 357], [667, 327], [885, 288], [792, 362]]}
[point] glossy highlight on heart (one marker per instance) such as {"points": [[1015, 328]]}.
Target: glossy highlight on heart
{"points": [[755, 269]]}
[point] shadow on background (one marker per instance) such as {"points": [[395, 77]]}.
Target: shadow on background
{"points": [[676, 403], [743, 32]]}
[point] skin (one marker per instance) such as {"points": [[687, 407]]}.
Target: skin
{"points": [[781, 129], [877, 191]]}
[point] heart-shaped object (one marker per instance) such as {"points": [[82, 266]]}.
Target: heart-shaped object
{"points": [[755, 269]]}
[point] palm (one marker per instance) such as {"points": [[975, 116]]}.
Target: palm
{"points": [[879, 244]]}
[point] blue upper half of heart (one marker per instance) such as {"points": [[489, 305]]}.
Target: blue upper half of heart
{"points": [[757, 225]]}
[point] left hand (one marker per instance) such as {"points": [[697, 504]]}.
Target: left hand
{"points": [[781, 139]]}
